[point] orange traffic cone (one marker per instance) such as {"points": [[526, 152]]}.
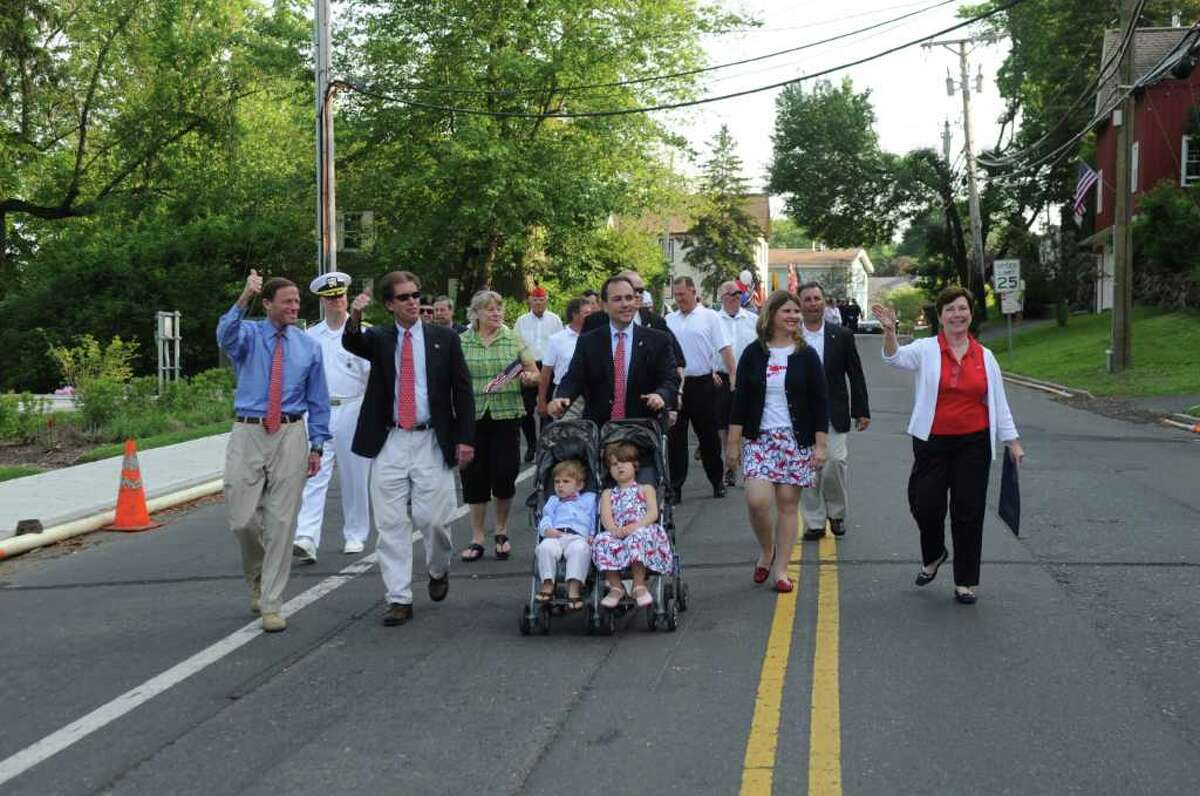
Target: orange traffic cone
{"points": [[132, 514]]}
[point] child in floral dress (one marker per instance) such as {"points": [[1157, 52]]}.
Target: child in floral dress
{"points": [[632, 537]]}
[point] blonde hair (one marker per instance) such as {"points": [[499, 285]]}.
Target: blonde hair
{"points": [[572, 468], [479, 301], [766, 318]]}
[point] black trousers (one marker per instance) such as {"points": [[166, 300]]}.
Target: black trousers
{"points": [[959, 466], [700, 409], [493, 471], [529, 422], [724, 398]]}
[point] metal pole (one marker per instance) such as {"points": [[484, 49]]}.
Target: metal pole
{"points": [[326, 204], [972, 188], [1010, 344], [946, 141], [1122, 229]]}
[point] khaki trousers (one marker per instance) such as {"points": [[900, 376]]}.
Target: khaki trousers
{"points": [[828, 497], [264, 478]]}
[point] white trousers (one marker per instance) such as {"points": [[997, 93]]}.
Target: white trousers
{"points": [[827, 500], [570, 546], [411, 468], [354, 472]]}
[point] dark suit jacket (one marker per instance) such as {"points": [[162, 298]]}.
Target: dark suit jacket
{"points": [[649, 320], [842, 363], [451, 400], [590, 374], [804, 385]]}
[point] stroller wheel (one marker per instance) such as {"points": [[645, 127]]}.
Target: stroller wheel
{"points": [[608, 622], [682, 592], [672, 618], [525, 624], [651, 619], [544, 622]]}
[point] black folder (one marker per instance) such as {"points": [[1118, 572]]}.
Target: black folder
{"points": [[1010, 494]]}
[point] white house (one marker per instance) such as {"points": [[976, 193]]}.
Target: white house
{"points": [[843, 273]]}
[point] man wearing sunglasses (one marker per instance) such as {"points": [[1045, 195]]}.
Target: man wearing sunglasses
{"points": [[417, 422]]}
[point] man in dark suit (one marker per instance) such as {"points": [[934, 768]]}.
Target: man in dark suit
{"points": [[644, 316], [839, 356], [417, 422], [621, 369]]}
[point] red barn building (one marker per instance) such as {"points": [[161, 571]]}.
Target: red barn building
{"points": [[1166, 138]]}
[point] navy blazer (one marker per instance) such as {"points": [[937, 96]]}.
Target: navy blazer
{"points": [[842, 364], [590, 374], [804, 385]]}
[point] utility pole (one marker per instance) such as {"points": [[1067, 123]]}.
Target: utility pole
{"points": [[960, 46], [946, 142], [1122, 230], [326, 200]]}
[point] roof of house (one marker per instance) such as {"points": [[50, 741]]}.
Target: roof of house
{"points": [[1151, 47], [782, 258], [756, 205]]}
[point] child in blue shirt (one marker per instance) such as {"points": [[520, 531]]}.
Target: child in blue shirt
{"points": [[566, 528]]}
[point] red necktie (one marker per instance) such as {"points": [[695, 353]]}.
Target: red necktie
{"points": [[618, 409], [275, 390], [406, 386]]}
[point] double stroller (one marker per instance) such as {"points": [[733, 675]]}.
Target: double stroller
{"points": [[580, 440]]}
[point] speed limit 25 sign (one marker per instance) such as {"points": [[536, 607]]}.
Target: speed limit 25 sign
{"points": [[1006, 276]]}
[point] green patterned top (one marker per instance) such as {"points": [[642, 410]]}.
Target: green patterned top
{"points": [[485, 362]]}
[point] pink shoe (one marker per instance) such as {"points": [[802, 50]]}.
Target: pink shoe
{"points": [[613, 598], [642, 595]]}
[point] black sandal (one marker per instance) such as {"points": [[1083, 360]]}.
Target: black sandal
{"points": [[473, 552], [500, 541], [924, 579]]}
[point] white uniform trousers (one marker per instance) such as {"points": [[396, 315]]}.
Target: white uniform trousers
{"points": [[828, 498], [354, 472], [570, 546], [411, 467]]}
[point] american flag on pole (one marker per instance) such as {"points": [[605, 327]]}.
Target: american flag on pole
{"points": [[505, 376], [793, 282], [1087, 178]]}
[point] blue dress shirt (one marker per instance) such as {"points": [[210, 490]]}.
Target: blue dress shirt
{"points": [[613, 331], [578, 515], [251, 346]]}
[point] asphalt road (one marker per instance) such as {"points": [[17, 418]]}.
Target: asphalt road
{"points": [[1076, 672]]}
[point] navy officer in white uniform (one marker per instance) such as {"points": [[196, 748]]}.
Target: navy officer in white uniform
{"points": [[347, 376]]}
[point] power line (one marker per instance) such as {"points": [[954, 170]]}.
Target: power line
{"points": [[673, 75], [366, 91]]}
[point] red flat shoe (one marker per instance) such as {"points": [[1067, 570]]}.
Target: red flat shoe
{"points": [[760, 574], [783, 586]]}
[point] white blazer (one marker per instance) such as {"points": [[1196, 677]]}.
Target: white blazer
{"points": [[925, 357]]}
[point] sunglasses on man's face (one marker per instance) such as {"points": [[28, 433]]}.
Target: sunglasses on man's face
{"points": [[414, 296], [426, 310]]}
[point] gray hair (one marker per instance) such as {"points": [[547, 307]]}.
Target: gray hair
{"points": [[482, 299]]}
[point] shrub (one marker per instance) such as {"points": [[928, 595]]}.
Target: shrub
{"points": [[100, 401], [22, 417], [87, 360], [907, 301]]}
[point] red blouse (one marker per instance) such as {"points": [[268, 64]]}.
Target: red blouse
{"points": [[962, 391]]}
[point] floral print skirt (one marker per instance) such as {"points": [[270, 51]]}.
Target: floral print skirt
{"points": [[776, 457]]}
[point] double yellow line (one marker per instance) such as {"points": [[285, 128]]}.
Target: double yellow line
{"points": [[825, 744]]}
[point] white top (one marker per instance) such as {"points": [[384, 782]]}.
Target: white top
{"points": [[536, 331], [740, 330], [345, 373], [925, 357], [700, 335], [418, 350], [816, 340], [775, 410], [559, 350]]}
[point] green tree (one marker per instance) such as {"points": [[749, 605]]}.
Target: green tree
{"points": [[787, 234], [722, 241]]}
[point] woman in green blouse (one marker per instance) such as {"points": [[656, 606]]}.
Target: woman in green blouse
{"points": [[490, 347]]}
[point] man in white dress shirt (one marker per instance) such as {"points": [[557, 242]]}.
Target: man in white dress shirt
{"points": [[535, 328], [346, 376], [741, 329], [701, 336], [557, 357]]}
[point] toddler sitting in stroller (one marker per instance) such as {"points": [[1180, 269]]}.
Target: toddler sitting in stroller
{"points": [[632, 537], [565, 531]]}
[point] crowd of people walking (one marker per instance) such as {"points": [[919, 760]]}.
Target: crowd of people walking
{"points": [[771, 392]]}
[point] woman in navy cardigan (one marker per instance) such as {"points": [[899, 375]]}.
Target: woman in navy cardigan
{"points": [[781, 409]]}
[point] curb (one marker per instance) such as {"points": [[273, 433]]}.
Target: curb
{"points": [[16, 545], [1045, 386]]}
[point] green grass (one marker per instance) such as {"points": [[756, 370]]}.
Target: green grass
{"points": [[8, 473], [1166, 354], [1194, 411], [156, 441]]}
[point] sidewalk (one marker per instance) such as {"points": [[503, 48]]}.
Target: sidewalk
{"points": [[59, 496]]}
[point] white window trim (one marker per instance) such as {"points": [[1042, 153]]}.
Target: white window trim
{"points": [[1184, 152], [1099, 191]]}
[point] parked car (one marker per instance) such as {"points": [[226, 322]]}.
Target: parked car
{"points": [[869, 325]]}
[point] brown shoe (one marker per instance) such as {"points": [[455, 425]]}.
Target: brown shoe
{"points": [[273, 623], [397, 614], [439, 587], [837, 527]]}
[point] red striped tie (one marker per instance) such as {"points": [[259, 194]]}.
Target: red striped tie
{"points": [[275, 391], [618, 409], [406, 386]]}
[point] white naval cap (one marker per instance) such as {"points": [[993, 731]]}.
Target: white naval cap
{"points": [[334, 283]]}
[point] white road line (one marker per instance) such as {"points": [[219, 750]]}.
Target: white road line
{"points": [[57, 741]]}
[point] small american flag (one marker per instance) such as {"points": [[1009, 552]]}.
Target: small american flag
{"points": [[1087, 178], [505, 376]]}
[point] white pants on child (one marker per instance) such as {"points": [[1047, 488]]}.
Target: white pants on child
{"points": [[570, 546]]}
